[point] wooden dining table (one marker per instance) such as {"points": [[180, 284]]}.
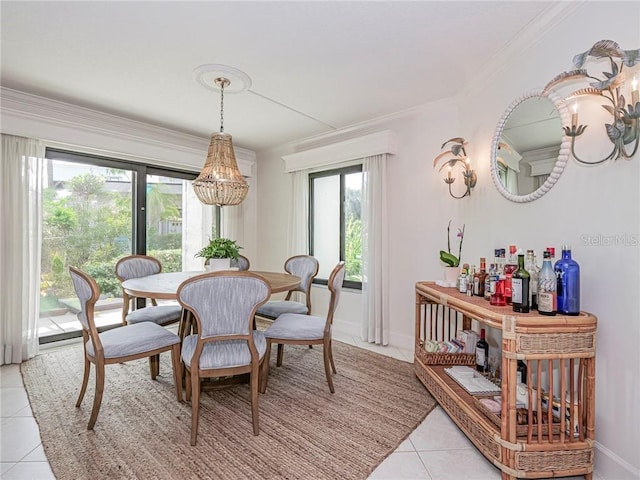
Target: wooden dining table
{"points": [[164, 286]]}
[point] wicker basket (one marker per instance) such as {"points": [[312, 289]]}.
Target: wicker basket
{"points": [[428, 358], [521, 430]]}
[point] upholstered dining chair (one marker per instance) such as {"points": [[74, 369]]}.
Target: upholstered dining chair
{"points": [[118, 345], [136, 266], [305, 267], [223, 305], [300, 329], [242, 263]]}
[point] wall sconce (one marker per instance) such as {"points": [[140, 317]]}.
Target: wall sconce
{"points": [[459, 159], [624, 130]]}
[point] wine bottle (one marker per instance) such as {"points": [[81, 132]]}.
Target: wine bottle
{"points": [[531, 266], [520, 281], [509, 268], [479, 278], [521, 372], [482, 353], [568, 283], [547, 285], [487, 281]]}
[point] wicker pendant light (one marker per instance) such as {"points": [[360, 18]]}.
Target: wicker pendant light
{"points": [[220, 182]]}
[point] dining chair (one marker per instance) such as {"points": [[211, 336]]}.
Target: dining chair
{"points": [[119, 344], [223, 305], [300, 329], [136, 266], [306, 267], [242, 263]]}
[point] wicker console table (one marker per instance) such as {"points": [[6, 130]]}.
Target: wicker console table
{"points": [[527, 439]]}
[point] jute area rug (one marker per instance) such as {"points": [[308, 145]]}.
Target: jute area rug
{"points": [[305, 431]]}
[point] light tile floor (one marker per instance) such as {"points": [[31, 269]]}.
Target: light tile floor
{"points": [[435, 450]]}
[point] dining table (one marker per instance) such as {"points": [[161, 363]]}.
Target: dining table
{"points": [[164, 286]]}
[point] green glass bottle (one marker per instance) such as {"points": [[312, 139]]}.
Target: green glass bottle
{"points": [[520, 283]]}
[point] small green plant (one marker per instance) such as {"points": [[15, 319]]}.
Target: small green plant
{"points": [[220, 248], [447, 257]]}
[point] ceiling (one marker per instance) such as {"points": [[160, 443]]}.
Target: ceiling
{"points": [[314, 66]]}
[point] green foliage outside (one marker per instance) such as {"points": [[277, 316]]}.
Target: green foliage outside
{"points": [[353, 236], [90, 228]]}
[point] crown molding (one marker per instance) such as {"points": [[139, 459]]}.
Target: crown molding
{"points": [[62, 123], [526, 39]]}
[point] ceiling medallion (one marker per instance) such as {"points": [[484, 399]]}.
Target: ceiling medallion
{"points": [[207, 74]]}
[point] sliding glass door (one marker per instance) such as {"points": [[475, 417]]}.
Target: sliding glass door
{"points": [[98, 210]]}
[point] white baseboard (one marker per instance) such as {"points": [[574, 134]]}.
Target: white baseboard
{"points": [[405, 342], [609, 466]]}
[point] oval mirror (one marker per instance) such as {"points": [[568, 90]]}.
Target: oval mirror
{"points": [[529, 149]]}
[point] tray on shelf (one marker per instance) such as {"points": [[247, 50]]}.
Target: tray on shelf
{"points": [[522, 416]]}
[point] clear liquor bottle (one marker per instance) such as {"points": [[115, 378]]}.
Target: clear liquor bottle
{"points": [[547, 287]]}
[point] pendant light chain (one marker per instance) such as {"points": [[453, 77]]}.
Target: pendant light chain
{"points": [[222, 107]]}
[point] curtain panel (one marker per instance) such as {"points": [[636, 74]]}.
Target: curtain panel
{"points": [[21, 183], [375, 270]]}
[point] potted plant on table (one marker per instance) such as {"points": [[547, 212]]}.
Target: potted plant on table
{"points": [[218, 253], [452, 262]]}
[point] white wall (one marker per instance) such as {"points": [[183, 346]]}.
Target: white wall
{"points": [[585, 203]]}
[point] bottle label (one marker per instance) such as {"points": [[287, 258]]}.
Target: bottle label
{"points": [[480, 357], [516, 290], [519, 376], [546, 302]]}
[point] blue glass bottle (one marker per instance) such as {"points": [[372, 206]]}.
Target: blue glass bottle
{"points": [[568, 279]]}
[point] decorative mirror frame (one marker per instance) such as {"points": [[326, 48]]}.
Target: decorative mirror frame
{"points": [[563, 155]]}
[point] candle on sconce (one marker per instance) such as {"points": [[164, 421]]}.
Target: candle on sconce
{"points": [[449, 172], [574, 116], [634, 91]]}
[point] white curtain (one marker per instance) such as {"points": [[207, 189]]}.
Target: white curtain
{"points": [[298, 228], [512, 181], [232, 223], [539, 180], [21, 180], [375, 272]]}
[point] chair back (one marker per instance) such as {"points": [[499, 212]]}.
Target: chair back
{"points": [[224, 303], [306, 267], [136, 266], [88, 292], [335, 287], [242, 263]]}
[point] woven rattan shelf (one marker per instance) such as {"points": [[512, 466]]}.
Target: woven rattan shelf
{"points": [[559, 353]]}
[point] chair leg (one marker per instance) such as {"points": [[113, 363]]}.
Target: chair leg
{"points": [[280, 355], [326, 352], [177, 370], [255, 376], [154, 366], [333, 364], [187, 383], [97, 399], [264, 368], [195, 405], [126, 304], [85, 380]]}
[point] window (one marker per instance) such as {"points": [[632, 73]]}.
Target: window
{"points": [[97, 210], [335, 226]]}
